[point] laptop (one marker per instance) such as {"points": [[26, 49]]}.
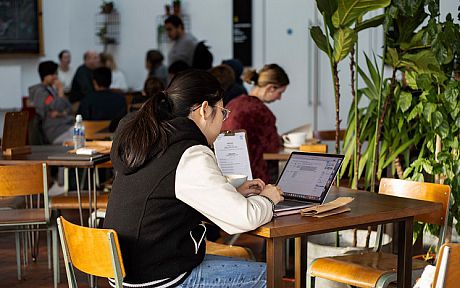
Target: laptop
{"points": [[306, 179]]}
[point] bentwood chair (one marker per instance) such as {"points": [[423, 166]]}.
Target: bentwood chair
{"points": [[29, 181], [377, 269], [447, 274], [92, 251]]}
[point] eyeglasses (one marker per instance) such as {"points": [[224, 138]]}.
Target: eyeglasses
{"points": [[225, 111]]}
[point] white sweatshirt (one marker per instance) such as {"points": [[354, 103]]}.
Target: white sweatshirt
{"points": [[201, 185]]}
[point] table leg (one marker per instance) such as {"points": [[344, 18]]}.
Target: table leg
{"points": [[300, 261], [405, 232], [275, 262], [79, 196]]}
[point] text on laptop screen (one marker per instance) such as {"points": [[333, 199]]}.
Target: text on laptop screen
{"points": [[309, 175]]}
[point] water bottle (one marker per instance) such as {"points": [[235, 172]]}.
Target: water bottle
{"points": [[78, 133]]}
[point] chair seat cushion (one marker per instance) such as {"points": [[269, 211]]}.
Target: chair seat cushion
{"points": [[22, 217], [363, 269]]}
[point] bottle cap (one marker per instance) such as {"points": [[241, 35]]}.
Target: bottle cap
{"points": [[78, 118]]}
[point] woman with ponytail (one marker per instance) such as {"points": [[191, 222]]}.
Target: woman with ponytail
{"points": [[167, 182], [250, 113]]}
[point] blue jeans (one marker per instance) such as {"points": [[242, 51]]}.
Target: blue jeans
{"points": [[220, 271]]}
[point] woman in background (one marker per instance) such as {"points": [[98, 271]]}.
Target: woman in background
{"points": [[249, 112], [154, 64], [118, 78], [168, 181]]}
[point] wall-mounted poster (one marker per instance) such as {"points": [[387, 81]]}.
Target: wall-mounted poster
{"points": [[21, 27]]}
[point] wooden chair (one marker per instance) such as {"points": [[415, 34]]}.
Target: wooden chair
{"points": [[15, 133], [30, 181], [377, 269], [92, 127], [447, 274], [92, 251], [229, 250]]}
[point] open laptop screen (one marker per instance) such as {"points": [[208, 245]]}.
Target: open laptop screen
{"points": [[309, 176]]}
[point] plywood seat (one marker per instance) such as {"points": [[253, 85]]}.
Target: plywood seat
{"points": [[228, 250], [16, 216], [71, 201], [362, 270]]}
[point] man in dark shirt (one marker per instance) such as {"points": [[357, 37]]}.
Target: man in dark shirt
{"points": [[82, 84], [103, 104]]}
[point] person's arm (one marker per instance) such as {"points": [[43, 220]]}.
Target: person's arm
{"points": [[201, 185]]}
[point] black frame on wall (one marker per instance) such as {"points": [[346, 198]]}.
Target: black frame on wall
{"points": [[242, 31], [21, 28]]}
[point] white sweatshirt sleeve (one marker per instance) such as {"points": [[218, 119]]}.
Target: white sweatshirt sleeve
{"points": [[201, 185]]}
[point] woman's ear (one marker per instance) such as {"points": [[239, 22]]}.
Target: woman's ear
{"points": [[205, 110]]}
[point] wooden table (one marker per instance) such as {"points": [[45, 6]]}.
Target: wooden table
{"points": [[367, 209], [40, 154]]}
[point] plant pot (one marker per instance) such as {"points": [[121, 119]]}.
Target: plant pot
{"points": [[323, 245]]}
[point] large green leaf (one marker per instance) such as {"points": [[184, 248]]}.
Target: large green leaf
{"points": [[327, 8], [405, 100], [344, 40], [373, 22], [320, 39], [422, 62], [350, 10]]}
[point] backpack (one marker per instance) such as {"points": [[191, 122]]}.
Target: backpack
{"points": [[202, 57]]}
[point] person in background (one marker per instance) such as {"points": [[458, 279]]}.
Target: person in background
{"points": [[224, 74], [103, 104], [152, 86], [184, 43], [168, 182], [118, 78], [51, 105], [237, 88], [82, 83], [65, 72], [249, 112], [154, 64], [177, 67]]}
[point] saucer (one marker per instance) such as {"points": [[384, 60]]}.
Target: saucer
{"points": [[291, 146]]}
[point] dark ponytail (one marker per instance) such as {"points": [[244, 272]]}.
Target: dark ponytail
{"points": [[146, 134]]}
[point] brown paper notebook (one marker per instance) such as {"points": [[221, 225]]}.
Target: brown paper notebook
{"points": [[331, 208]]}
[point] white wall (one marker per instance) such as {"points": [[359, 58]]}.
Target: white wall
{"points": [[70, 24]]}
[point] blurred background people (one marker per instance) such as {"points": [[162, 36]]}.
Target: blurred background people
{"points": [[183, 43], [82, 83], [51, 105], [155, 67], [118, 78], [65, 71], [250, 112], [103, 103]]}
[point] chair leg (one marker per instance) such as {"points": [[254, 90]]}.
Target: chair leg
{"points": [[310, 281], [18, 254], [55, 257], [48, 245]]}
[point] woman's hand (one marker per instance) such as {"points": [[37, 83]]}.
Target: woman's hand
{"points": [[251, 187], [273, 192]]}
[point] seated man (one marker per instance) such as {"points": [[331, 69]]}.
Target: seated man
{"points": [[51, 105], [103, 104]]}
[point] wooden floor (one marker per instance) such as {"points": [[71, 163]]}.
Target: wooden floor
{"points": [[36, 274]]}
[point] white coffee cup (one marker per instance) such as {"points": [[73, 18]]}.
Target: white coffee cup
{"points": [[236, 179], [295, 139]]}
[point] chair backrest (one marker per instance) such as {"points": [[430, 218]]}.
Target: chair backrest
{"points": [[93, 126], [421, 191], [15, 129], [25, 180], [447, 273], [314, 148], [92, 251]]}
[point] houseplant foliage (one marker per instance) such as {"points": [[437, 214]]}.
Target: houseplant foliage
{"points": [[419, 121], [342, 22]]}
